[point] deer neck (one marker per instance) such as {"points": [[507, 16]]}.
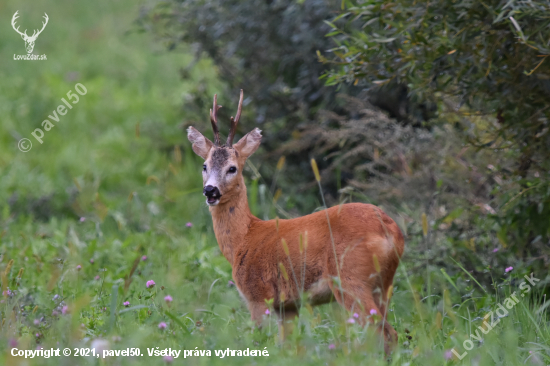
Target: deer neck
{"points": [[231, 221]]}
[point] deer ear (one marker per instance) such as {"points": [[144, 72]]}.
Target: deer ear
{"points": [[201, 145], [249, 143]]}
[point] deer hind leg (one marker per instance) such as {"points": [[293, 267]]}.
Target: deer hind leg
{"points": [[363, 298], [387, 275], [380, 296]]}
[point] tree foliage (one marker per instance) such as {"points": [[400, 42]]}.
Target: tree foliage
{"points": [[480, 57]]}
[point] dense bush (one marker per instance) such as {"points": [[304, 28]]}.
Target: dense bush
{"points": [[487, 56]]}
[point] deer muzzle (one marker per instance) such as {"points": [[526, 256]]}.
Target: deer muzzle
{"points": [[212, 195]]}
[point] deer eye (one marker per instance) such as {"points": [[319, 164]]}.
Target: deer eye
{"points": [[232, 170], [204, 168]]}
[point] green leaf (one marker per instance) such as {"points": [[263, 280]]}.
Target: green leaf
{"points": [[469, 274], [177, 320], [453, 215], [114, 296], [384, 40], [449, 278], [132, 308]]}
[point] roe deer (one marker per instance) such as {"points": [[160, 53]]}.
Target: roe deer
{"points": [[278, 259]]}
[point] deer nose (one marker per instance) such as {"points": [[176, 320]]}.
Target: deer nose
{"points": [[211, 192]]}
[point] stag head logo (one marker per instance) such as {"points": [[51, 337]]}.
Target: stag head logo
{"points": [[29, 40]]}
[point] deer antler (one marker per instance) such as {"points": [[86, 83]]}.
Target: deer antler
{"points": [[234, 122], [35, 34], [214, 120], [13, 24]]}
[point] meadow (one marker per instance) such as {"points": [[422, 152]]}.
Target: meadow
{"points": [[112, 199]]}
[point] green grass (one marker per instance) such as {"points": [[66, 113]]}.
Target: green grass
{"points": [[96, 189]]}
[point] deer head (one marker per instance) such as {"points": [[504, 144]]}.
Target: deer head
{"points": [[223, 164], [29, 40]]}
